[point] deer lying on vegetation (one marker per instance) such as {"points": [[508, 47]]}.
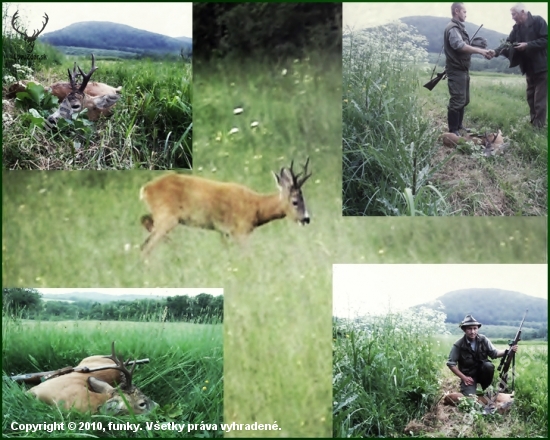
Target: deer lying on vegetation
{"points": [[229, 208], [98, 98], [493, 142], [501, 402], [96, 390]]}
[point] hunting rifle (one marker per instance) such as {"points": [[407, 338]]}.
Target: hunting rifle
{"points": [[36, 378], [509, 358], [434, 81]]}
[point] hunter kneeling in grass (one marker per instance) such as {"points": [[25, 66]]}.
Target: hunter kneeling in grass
{"points": [[469, 357]]}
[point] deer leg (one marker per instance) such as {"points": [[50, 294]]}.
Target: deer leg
{"points": [[160, 229]]}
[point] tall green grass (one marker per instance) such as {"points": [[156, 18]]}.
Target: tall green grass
{"points": [[388, 145], [385, 373], [184, 376]]}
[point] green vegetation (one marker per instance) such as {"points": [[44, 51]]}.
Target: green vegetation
{"points": [[394, 163], [390, 376], [151, 124], [184, 376], [385, 373], [201, 308], [82, 229]]}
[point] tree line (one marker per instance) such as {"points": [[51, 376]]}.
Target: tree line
{"points": [[29, 304]]}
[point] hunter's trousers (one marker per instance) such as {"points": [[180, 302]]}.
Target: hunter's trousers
{"points": [[537, 95], [459, 89]]}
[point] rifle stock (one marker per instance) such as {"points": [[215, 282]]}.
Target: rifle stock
{"points": [[37, 378], [435, 81]]}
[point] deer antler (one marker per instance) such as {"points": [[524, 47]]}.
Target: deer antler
{"points": [[299, 182], [14, 26], [38, 32], [24, 34], [86, 77], [121, 366]]}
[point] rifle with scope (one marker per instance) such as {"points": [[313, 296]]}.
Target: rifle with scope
{"points": [[509, 359]]}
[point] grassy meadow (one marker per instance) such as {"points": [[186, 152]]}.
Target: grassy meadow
{"points": [[150, 126], [83, 229], [390, 375], [184, 376], [394, 161]]}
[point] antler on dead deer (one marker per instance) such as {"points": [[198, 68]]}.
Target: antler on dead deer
{"points": [[121, 366], [85, 77]]}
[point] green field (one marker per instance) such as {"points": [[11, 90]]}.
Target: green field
{"points": [[82, 229], [150, 126], [184, 376]]}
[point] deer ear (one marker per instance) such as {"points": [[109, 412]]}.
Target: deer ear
{"points": [[277, 179], [99, 386]]}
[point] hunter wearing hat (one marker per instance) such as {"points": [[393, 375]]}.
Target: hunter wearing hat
{"points": [[458, 54], [469, 357]]}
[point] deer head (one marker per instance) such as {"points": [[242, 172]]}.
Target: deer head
{"points": [[138, 402], [78, 99], [30, 40], [290, 185]]}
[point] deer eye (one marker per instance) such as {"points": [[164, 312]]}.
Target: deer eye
{"points": [[295, 202]]}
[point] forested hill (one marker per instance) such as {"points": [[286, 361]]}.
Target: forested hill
{"points": [[432, 28], [114, 36], [490, 306]]}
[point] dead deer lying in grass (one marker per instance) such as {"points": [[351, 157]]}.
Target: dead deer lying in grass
{"points": [[98, 98], [229, 208], [493, 142], [501, 402], [96, 390]]}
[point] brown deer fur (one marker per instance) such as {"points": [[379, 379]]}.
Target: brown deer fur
{"points": [[229, 208], [92, 391], [502, 401]]}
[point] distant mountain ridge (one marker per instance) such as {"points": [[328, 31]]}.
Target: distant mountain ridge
{"points": [[490, 306], [114, 36], [433, 27], [98, 297]]}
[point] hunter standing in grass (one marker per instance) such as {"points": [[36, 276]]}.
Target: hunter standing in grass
{"points": [[458, 53], [529, 40], [469, 357]]}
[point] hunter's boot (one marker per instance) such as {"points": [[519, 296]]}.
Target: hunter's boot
{"points": [[453, 119], [460, 119]]}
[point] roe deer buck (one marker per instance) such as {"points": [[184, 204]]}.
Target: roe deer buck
{"points": [[95, 390], [98, 98], [229, 208]]}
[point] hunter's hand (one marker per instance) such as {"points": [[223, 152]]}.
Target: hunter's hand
{"points": [[468, 380], [520, 46], [514, 348], [486, 53]]}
